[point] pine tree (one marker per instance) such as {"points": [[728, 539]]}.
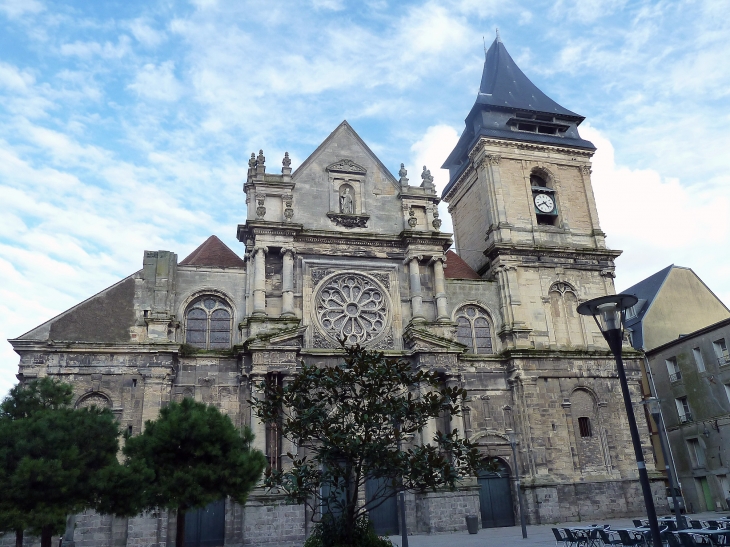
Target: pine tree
{"points": [[194, 456], [54, 460]]}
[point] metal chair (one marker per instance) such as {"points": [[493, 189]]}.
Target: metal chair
{"points": [[561, 538], [610, 537], [671, 539], [572, 538], [688, 539], [696, 524], [637, 523], [631, 539], [713, 525]]}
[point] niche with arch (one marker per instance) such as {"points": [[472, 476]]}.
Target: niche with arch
{"points": [[588, 436], [567, 326], [96, 399]]}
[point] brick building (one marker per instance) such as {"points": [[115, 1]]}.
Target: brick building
{"points": [[341, 247]]}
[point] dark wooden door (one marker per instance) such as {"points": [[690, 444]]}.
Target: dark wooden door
{"points": [[385, 516], [495, 499], [205, 527]]}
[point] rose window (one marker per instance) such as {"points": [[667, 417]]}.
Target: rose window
{"points": [[353, 307]]}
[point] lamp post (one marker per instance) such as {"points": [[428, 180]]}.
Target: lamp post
{"points": [[655, 410], [513, 443], [401, 494], [609, 313]]}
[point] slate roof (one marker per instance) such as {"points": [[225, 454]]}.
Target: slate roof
{"points": [[214, 253], [505, 91], [505, 85], [456, 268], [646, 291]]}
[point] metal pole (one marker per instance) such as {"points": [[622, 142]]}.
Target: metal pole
{"points": [[519, 490], [402, 496], [403, 531], [614, 343], [681, 524]]}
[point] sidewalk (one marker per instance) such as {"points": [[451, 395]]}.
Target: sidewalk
{"points": [[537, 536]]}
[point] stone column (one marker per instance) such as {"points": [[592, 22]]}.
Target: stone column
{"points": [[416, 298], [287, 445], [440, 289], [429, 430], [259, 283], [287, 283], [258, 428]]}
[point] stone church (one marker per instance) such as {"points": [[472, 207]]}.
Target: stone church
{"points": [[340, 247]]}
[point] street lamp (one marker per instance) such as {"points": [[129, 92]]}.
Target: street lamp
{"points": [[609, 313], [513, 443], [655, 410]]}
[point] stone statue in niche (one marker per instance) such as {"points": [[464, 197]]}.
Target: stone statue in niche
{"points": [[346, 205]]}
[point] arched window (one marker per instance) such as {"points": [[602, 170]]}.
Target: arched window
{"points": [[208, 323], [474, 329]]}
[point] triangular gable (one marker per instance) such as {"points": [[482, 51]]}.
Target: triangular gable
{"points": [[344, 126], [213, 253]]}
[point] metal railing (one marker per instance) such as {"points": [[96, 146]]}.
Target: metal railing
{"points": [[675, 377], [723, 360]]}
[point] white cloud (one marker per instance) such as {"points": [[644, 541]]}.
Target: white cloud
{"points": [[431, 151], [17, 8], [158, 82], [14, 79], [145, 34], [107, 50], [657, 221]]}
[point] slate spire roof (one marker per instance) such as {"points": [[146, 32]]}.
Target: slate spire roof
{"points": [[214, 253], [510, 107], [505, 85]]}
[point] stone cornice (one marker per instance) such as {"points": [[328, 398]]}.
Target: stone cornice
{"points": [[253, 228], [508, 251], [63, 346]]}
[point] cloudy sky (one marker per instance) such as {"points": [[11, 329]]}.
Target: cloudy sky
{"points": [[126, 125]]}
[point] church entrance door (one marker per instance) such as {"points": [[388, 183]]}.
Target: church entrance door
{"points": [[495, 499], [205, 527], [385, 516]]}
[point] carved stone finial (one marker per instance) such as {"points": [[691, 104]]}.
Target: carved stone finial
{"points": [[261, 159], [286, 162], [252, 160]]}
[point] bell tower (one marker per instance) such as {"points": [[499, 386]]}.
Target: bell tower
{"points": [[523, 209]]}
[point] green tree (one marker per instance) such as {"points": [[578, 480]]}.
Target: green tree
{"points": [[193, 455], [54, 460], [352, 421]]}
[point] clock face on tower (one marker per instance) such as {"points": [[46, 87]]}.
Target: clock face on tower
{"points": [[544, 203]]}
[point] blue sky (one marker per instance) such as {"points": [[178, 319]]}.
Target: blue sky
{"points": [[127, 126]]}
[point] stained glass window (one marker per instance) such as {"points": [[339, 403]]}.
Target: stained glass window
{"points": [[208, 324], [474, 329]]}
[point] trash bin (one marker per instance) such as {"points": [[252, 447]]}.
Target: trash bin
{"points": [[472, 524]]}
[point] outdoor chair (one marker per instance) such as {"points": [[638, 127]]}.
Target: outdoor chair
{"points": [[573, 538], [610, 537], [696, 524], [637, 523], [688, 539], [561, 538], [713, 525], [671, 525], [631, 539], [671, 539]]}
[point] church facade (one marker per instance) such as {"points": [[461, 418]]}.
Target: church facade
{"points": [[340, 247]]}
